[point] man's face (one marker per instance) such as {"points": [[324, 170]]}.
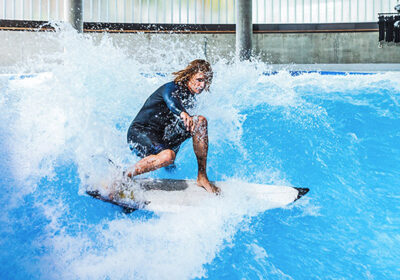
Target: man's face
{"points": [[197, 83]]}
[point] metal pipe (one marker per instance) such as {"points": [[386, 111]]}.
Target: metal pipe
{"points": [[187, 11], [156, 8], [148, 11], [365, 10], [91, 9], [172, 11], [350, 10], [48, 9], [73, 12], [124, 11], [22, 9], [311, 2], [108, 10], [140, 11], [116, 11], [342, 14], [244, 29], [326, 10], [256, 11], [195, 12], [13, 9], [226, 11], [287, 10], [373, 8], [234, 11], [99, 11], [211, 11], [272, 11], [358, 11], [40, 9], [5, 9], [219, 11], [165, 12], [204, 11], [265, 11], [132, 11]]}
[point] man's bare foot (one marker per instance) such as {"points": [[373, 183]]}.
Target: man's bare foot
{"points": [[202, 181]]}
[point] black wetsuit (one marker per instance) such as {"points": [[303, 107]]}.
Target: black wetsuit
{"points": [[158, 126]]}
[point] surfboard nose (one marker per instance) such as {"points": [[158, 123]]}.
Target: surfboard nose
{"points": [[302, 192]]}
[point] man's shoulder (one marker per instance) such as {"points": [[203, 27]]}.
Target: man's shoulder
{"points": [[170, 86]]}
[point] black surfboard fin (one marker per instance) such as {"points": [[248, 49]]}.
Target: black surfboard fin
{"points": [[302, 192]]}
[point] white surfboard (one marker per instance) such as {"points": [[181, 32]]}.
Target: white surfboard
{"points": [[167, 195]]}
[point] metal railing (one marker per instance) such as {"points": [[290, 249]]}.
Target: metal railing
{"points": [[201, 11]]}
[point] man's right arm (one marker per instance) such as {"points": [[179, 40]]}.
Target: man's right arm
{"points": [[176, 106]]}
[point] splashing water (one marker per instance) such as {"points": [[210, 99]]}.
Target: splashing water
{"points": [[335, 134]]}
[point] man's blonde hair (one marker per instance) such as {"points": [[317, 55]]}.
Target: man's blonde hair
{"points": [[194, 67]]}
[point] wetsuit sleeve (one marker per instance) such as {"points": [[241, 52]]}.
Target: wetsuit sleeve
{"points": [[172, 102]]}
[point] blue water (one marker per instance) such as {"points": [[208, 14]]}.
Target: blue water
{"points": [[335, 134]]}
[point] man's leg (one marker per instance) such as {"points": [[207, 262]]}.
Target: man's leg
{"points": [[152, 162], [200, 147]]}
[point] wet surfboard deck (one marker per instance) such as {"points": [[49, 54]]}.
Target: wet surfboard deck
{"points": [[168, 195]]}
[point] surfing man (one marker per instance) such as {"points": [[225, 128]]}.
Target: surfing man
{"points": [[163, 124]]}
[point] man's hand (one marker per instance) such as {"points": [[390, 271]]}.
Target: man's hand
{"points": [[188, 121]]}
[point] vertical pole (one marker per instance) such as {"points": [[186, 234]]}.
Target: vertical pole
{"points": [[48, 10], [342, 11], [280, 11], [211, 11], [257, 11], [57, 10], [265, 11], [73, 12], [99, 10], [91, 10], [180, 12], [358, 11], [172, 11], [349, 11], [226, 11], [287, 11], [204, 11], [148, 11], [219, 11], [156, 8], [272, 11], [13, 9], [244, 29]]}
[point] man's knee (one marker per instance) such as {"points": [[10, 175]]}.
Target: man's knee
{"points": [[167, 156], [202, 120]]}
